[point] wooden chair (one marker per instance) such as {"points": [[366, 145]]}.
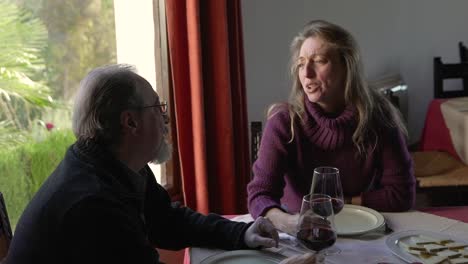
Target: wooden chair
{"points": [[438, 173], [5, 229], [463, 52], [444, 71], [441, 177], [463, 58]]}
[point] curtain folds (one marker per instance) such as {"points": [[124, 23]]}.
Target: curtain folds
{"points": [[206, 57]]}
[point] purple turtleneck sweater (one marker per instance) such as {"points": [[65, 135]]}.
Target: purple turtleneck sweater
{"points": [[283, 172]]}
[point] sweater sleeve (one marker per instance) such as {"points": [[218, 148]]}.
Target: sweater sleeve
{"points": [[266, 188], [396, 191], [174, 227]]}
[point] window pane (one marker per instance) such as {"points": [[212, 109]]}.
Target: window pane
{"points": [[48, 46], [139, 43]]}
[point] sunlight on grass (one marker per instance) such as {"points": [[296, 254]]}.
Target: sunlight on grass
{"points": [[26, 166]]}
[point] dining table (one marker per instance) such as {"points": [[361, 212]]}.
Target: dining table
{"points": [[446, 127], [370, 247]]}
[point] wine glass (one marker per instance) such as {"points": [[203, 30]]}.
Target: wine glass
{"points": [[326, 180], [316, 226]]}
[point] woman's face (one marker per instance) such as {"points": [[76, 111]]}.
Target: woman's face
{"points": [[322, 74]]}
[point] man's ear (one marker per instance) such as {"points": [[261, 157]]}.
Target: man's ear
{"points": [[129, 122]]}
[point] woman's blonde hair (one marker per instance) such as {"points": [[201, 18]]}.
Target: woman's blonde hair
{"points": [[373, 109]]}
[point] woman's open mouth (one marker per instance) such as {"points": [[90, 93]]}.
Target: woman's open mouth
{"points": [[312, 88]]}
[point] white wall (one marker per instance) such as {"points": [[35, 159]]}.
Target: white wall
{"points": [[134, 28], [397, 36]]}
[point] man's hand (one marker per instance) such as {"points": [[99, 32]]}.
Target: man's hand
{"points": [[308, 258], [261, 233], [283, 221]]}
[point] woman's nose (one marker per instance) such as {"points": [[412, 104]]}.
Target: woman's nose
{"points": [[310, 70]]}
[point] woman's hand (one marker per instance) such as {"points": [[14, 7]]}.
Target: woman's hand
{"points": [[283, 221]]}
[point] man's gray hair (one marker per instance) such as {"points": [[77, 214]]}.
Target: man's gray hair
{"points": [[103, 94]]}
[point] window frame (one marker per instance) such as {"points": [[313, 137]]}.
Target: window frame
{"points": [[170, 173]]}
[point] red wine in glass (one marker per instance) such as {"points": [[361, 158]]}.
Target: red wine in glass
{"points": [[319, 209], [326, 180], [337, 205], [315, 228], [317, 238]]}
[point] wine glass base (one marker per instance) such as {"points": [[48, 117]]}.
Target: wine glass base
{"points": [[333, 250]]}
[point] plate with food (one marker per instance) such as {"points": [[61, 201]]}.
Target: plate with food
{"points": [[418, 246]]}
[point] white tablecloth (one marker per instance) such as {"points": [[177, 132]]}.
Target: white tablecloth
{"points": [[369, 248], [455, 113]]}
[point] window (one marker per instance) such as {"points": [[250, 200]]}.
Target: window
{"points": [[48, 47], [141, 41]]}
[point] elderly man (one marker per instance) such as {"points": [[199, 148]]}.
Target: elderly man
{"points": [[102, 203]]}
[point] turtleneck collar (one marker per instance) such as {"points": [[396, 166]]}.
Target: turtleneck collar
{"points": [[328, 131]]}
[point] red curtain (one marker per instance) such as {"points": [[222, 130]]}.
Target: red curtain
{"points": [[206, 57]]}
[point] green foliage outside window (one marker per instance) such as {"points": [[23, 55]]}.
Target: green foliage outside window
{"points": [[47, 47], [81, 37], [23, 91], [25, 167]]}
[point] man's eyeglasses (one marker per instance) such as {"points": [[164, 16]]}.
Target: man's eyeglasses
{"points": [[162, 107]]}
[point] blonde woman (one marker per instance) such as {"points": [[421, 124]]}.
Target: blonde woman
{"points": [[332, 118]]}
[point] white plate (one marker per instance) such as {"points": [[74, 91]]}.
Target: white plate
{"points": [[357, 220], [244, 256], [393, 240]]}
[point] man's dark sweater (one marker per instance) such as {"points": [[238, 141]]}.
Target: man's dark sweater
{"points": [[94, 209]]}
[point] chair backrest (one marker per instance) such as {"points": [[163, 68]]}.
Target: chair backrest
{"points": [[5, 229], [463, 58], [444, 71], [463, 52]]}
